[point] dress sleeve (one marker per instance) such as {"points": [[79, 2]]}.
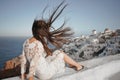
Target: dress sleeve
{"points": [[37, 51], [23, 62]]}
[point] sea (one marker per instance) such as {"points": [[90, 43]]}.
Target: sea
{"points": [[10, 47]]}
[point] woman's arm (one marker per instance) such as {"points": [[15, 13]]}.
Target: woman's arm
{"points": [[23, 64]]}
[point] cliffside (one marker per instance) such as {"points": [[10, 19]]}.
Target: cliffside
{"points": [[11, 68], [102, 68]]}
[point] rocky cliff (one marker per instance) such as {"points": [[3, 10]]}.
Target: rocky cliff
{"points": [[11, 68]]}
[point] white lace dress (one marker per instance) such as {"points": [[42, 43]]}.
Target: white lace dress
{"points": [[43, 68]]}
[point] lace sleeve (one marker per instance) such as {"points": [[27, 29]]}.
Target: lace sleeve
{"points": [[23, 62], [37, 51]]}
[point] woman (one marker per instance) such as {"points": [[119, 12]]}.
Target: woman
{"points": [[44, 63]]}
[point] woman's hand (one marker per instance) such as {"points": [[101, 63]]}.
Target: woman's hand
{"points": [[31, 78], [22, 77]]}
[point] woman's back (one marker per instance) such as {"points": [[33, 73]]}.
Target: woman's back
{"points": [[39, 65]]}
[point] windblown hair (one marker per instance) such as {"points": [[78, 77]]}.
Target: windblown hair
{"points": [[41, 30]]}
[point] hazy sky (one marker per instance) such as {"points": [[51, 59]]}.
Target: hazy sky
{"points": [[17, 16]]}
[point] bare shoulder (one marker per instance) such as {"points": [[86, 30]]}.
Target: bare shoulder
{"points": [[32, 39]]}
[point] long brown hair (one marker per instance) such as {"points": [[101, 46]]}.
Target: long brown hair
{"points": [[41, 30]]}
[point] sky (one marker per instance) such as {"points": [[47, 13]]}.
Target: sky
{"points": [[17, 16]]}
